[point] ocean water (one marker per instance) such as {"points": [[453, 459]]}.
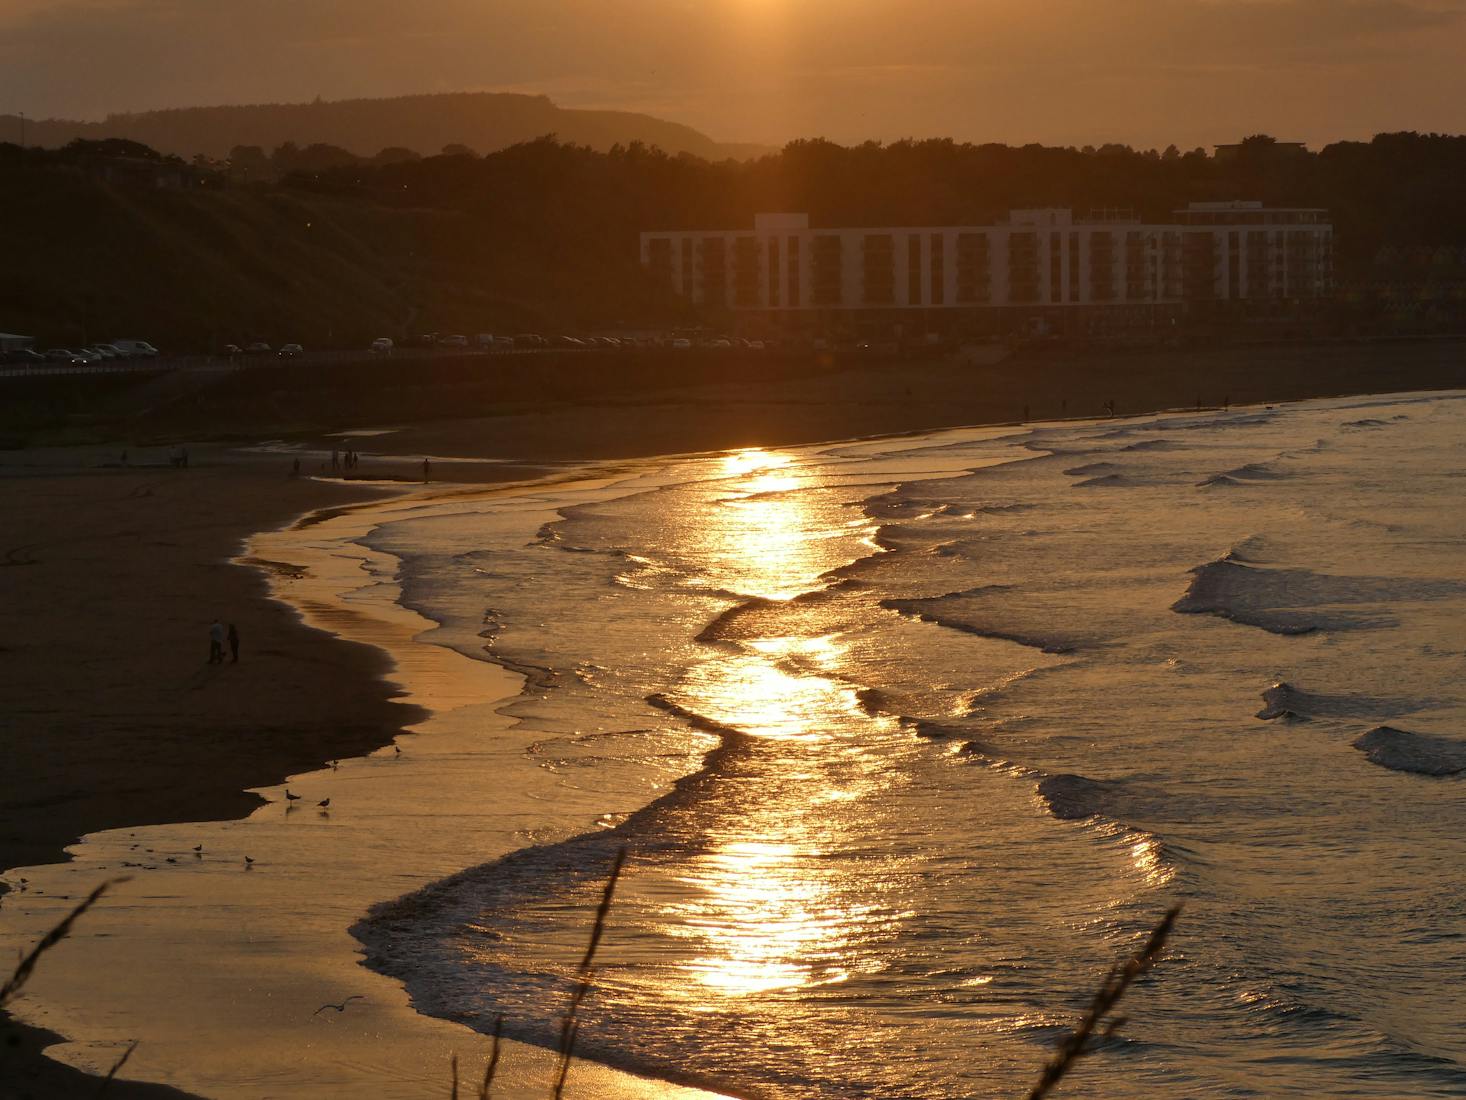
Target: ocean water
{"points": [[913, 738]]}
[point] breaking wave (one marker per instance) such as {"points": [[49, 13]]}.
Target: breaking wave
{"points": [[1420, 753]]}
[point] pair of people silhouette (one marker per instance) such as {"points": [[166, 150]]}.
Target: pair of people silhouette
{"points": [[218, 635]]}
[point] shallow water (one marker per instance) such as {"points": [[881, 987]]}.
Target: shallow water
{"points": [[977, 709], [907, 741]]}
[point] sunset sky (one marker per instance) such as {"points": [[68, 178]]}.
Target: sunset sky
{"points": [[1146, 72]]}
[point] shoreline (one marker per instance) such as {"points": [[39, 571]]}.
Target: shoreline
{"points": [[176, 794], [398, 820], [110, 722]]}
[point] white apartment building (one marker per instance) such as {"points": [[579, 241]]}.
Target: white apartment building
{"points": [[1039, 259]]}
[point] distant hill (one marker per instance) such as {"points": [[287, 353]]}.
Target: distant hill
{"points": [[483, 121]]}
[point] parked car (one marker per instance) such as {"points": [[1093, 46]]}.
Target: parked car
{"points": [[382, 345], [233, 349], [24, 357], [453, 341], [682, 343], [64, 355], [259, 347], [484, 340], [138, 349], [106, 351], [88, 355], [529, 340], [290, 351], [503, 343]]}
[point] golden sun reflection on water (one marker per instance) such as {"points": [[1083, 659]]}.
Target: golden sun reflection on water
{"points": [[762, 540], [764, 909], [763, 923]]}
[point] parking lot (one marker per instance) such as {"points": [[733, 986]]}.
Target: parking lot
{"points": [[272, 360]]}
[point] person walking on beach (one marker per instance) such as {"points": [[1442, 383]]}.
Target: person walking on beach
{"points": [[335, 460], [216, 643], [427, 471], [295, 469], [233, 645]]}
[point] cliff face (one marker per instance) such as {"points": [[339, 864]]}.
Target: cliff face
{"points": [[483, 121]]}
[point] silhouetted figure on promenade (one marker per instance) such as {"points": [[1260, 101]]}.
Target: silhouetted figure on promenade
{"points": [[233, 644], [427, 471], [295, 467], [216, 643]]}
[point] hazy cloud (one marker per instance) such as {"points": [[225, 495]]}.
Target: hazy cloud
{"points": [[1146, 71]]}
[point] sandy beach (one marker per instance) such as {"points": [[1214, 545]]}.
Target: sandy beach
{"points": [[109, 577]]}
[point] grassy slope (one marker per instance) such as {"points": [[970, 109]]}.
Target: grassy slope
{"points": [[189, 270]]}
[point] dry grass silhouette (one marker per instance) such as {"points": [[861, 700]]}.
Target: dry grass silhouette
{"points": [[27, 964], [1116, 982], [1097, 1022]]}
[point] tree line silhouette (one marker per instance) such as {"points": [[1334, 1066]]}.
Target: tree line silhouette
{"points": [[1399, 191], [546, 232]]}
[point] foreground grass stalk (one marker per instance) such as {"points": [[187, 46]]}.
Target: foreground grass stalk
{"points": [[570, 1026], [1077, 1045], [493, 1066], [22, 973], [117, 1065]]}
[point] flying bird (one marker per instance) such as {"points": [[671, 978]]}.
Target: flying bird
{"points": [[339, 1006]]}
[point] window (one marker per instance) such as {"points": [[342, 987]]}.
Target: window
{"points": [[939, 270], [794, 273], [913, 269], [773, 271]]}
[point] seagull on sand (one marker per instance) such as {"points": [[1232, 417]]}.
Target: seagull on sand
{"points": [[291, 797], [339, 1006], [324, 803], [248, 862], [397, 750]]}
